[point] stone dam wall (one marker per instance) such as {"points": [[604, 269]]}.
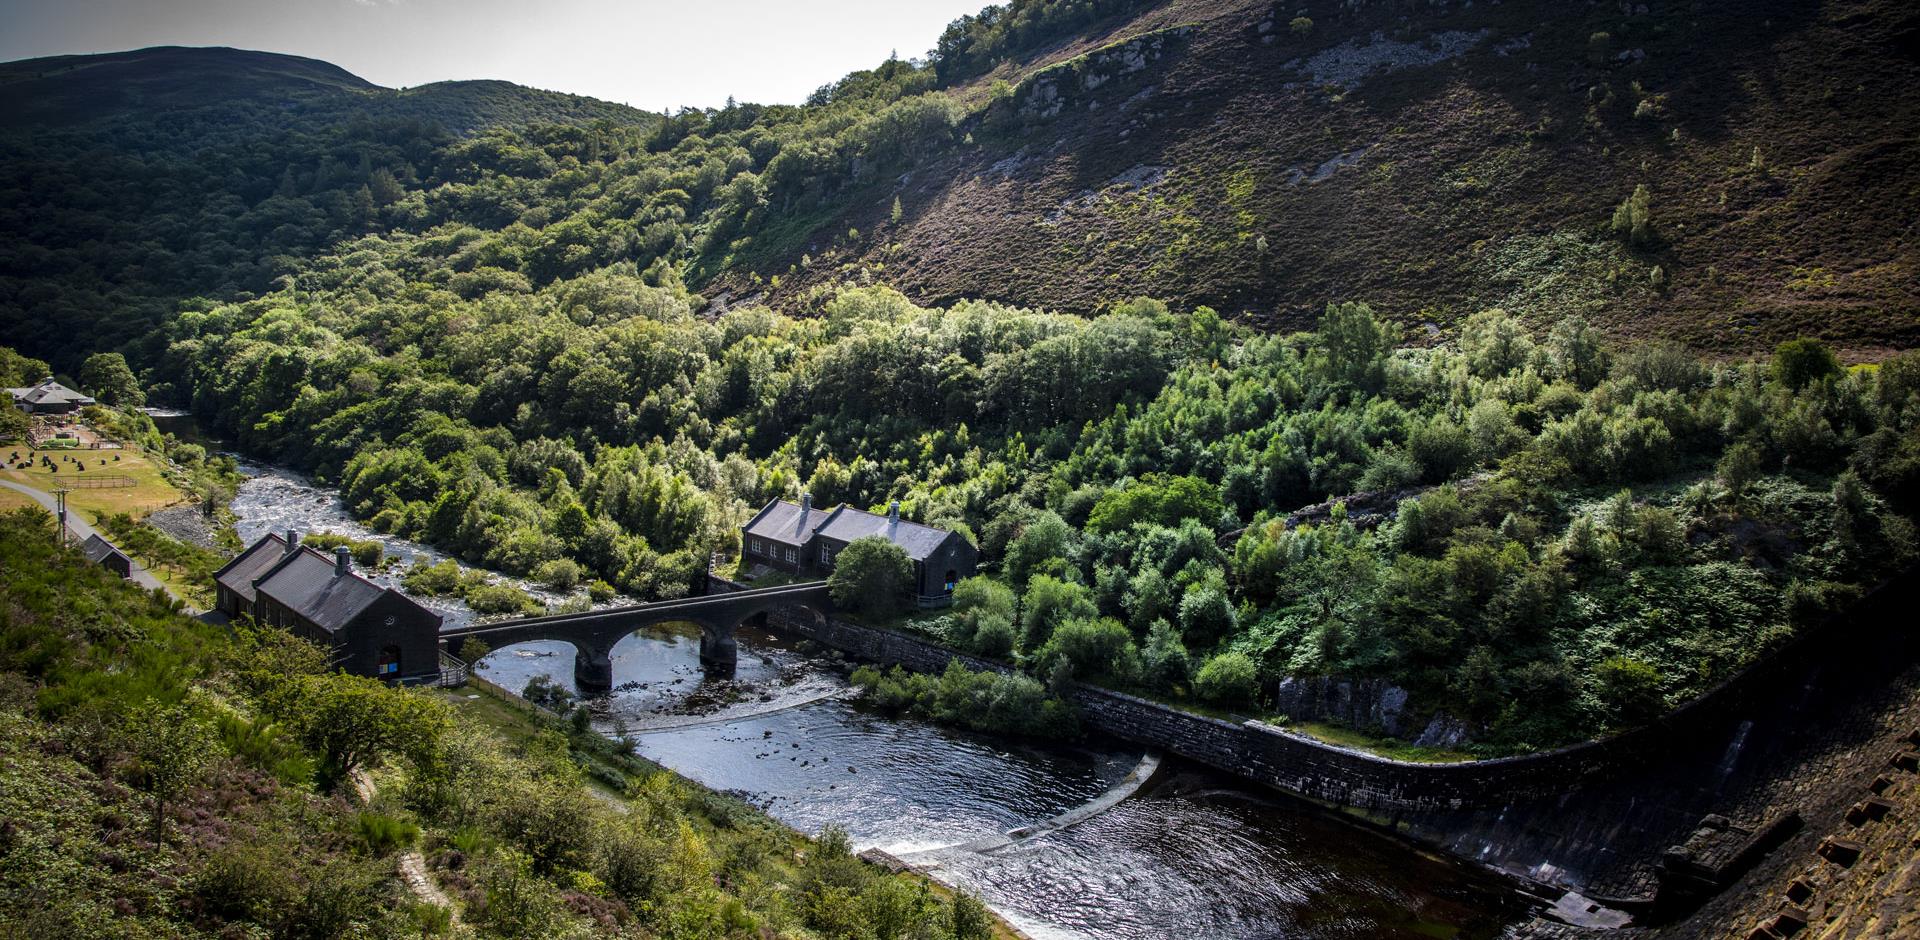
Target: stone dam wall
{"points": [[1593, 817]]}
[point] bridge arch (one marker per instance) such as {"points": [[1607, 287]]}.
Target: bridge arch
{"points": [[594, 633]]}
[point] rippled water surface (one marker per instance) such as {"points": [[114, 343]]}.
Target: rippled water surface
{"points": [[1193, 856]]}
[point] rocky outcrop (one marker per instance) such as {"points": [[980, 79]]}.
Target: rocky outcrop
{"points": [[1046, 93], [1357, 703]]}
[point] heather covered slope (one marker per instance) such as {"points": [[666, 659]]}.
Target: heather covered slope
{"points": [[1437, 159]]}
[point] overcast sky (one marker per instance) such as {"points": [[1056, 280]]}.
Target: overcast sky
{"points": [[646, 53]]}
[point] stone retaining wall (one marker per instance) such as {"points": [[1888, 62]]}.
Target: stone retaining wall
{"points": [[1343, 777]]}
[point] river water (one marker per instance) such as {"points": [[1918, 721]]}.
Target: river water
{"points": [[1194, 855]]}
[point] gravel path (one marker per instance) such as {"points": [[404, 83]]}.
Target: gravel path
{"points": [[413, 866]]}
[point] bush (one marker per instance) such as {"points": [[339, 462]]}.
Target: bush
{"points": [[1228, 679], [501, 598], [1089, 649], [560, 574], [1049, 603], [548, 694], [1798, 363], [995, 639], [384, 835], [1630, 690], [989, 701], [871, 576], [1633, 220], [367, 553], [1164, 664]]}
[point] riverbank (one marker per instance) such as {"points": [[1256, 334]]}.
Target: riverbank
{"points": [[613, 770], [1591, 820]]}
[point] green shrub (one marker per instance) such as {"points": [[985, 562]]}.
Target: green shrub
{"points": [[1800, 362], [1228, 679], [500, 598], [872, 576], [383, 835]]}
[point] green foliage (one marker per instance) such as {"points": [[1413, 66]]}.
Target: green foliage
{"points": [[1089, 649], [384, 835], [473, 649], [367, 553], [1048, 603], [983, 617], [106, 377], [872, 577], [1230, 678], [1007, 703], [1633, 219], [351, 722], [1798, 362], [1156, 499], [121, 709], [1630, 690]]}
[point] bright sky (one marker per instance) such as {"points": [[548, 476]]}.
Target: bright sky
{"points": [[647, 53]]}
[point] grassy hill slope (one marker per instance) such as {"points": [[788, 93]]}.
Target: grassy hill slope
{"points": [[1434, 160]]}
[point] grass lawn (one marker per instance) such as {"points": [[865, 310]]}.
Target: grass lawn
{"points": [[10, 501], [150, 491], [1384, 747]]}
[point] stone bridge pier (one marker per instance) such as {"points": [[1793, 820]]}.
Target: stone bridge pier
{"points": [[592, 669]]}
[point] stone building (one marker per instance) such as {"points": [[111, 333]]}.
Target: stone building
{"points": [[102, 552], [372, 630], [48, 398], [800, 539]]}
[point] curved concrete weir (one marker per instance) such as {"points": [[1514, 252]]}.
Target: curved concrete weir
{"points": [[1126, 787]]}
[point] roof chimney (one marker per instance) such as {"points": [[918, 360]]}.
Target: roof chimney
{"points": [[293, 541], [342, 561], [893, 513], [806, 503]]}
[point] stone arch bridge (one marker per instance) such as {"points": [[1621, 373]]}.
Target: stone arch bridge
{"points": [[594, 633]]}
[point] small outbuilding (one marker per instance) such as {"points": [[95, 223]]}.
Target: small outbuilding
{"points": [[48, 398], [103, 553], [799, 539]]}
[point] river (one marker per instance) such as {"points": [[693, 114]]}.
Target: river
{"points": [[1193, 855]]}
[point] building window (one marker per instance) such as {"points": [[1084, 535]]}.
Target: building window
{"points": [[793, 555], [754, 546], [826, 554]]}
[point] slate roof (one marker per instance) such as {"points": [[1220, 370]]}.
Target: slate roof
{"points": [[239, 574], [918, 541], [784, 522], [97, 549], [307, 583], [48, 392]]}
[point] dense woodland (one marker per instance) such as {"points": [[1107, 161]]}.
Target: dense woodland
{"points": [[1597, 531], [165, 778]]}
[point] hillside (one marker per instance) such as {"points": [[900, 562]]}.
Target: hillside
{"points": [[144, 84], [134, 181], [1435, 159], [1430, 159]]}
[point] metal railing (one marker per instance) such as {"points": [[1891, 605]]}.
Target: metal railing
{"points": [[453, 671]]}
